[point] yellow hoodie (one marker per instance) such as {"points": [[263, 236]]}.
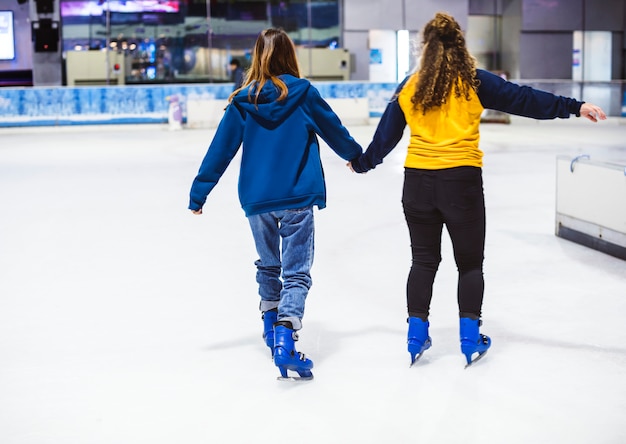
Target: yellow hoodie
{"points": [[444, 137], [447, 137]]}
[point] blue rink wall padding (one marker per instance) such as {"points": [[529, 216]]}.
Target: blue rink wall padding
{"points": [[97, 105]]}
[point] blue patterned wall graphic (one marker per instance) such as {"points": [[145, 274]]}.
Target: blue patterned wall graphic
{"points": [[39, 106]]}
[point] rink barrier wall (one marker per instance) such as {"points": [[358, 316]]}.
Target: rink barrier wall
{"points": [[589, 204], [354, 102], [202, 104]]}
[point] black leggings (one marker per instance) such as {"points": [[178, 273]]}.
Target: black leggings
{"points": [[454, 197]]}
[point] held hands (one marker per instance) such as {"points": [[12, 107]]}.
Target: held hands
{"points": [[349, 165], [592, 112], [197, 212]]}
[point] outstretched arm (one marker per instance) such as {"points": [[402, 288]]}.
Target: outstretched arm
{"points": [[498, 94]]}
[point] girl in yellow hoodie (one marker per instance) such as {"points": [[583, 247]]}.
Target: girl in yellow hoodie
{"points": [[442, 104]]}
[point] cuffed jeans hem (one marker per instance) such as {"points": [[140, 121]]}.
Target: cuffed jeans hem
{"points": [[295, 322], [268, 305]]}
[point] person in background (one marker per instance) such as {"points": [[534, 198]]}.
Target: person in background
{"points": [[236, 73], [277, 116], [442, 104]]}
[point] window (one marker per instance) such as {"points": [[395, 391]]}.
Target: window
{"points": [[191, 41], [7, 36]]}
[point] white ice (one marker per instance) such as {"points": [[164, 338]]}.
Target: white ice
{"points": [[124, 319]]}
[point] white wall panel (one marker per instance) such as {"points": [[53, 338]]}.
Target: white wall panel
{"points": [[373, 14], [419, 12], [357, 43], [384, 67]]}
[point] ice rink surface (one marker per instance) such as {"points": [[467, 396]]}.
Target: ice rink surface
{"points": [[124, 319]]}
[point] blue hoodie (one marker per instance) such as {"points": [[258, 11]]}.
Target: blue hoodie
{"points": [[280, 164]]}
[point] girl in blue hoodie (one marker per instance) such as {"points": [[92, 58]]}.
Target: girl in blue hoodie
{"points": [[275, 117]]}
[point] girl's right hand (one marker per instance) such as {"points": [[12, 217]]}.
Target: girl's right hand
{"points": [[592, 112]]}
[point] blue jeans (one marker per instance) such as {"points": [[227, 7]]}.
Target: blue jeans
{"points": [[296, 230]]}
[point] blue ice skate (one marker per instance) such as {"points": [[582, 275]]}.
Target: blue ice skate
{"points": [[285, 355], [417, 339], [472, 341], [269, 319]]}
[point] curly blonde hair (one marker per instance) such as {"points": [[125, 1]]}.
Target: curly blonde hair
{"points": [[445, 64]]}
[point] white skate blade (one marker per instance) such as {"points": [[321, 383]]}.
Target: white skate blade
{"points": [[478, 358], [295, 378], [417, 358]]}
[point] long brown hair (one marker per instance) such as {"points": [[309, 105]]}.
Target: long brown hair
{"points": [[445, 63], [274, 54]]}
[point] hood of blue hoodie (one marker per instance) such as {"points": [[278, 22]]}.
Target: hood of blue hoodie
{"points": [[268, 111]]}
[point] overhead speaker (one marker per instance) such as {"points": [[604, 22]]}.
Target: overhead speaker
{"points": [[45, 6], [46, 35]]}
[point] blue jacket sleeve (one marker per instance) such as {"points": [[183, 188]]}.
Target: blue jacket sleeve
{"points": [[387, 135], [498, 94], [330, 128], [223, 147]]}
